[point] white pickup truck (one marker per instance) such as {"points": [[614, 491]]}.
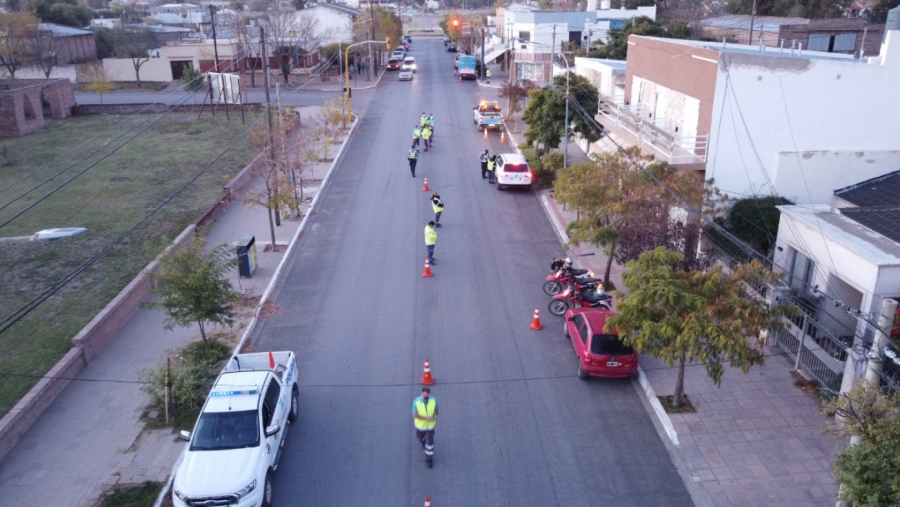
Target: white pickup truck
{"points": [[236, 443]]}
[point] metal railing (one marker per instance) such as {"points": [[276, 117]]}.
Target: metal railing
{"points": [[816, 350], [655, 135]]}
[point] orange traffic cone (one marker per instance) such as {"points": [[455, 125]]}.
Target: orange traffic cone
{"points": [[425, 186], [502, 136], [271, 360], [427, 379], [427, 272], [536, 321], [427, 502], [485, 133]]}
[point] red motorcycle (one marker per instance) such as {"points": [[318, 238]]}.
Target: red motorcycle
{"points": [[572, 297], [562, 273]]}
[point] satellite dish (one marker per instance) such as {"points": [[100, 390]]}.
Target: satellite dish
{"points": [[48, 235]]}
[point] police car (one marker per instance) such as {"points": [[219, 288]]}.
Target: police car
{"points": [[238, 438]]}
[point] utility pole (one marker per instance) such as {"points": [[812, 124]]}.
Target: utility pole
{"points": [[885, 323], [212, 21], [483, 63], [752, 17], [265, 50]]}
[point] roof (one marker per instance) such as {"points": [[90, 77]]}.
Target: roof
{"points": [[884, 220], [747, 49], [63, 31], [769, 24], [881, 191], [615, 64], [343, 9], [849, 230], [237, 391]]}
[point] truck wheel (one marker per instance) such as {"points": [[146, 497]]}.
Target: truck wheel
{"points": [[267, 490], [295, 408]]}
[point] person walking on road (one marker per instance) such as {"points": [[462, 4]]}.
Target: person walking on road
{"points": [[438, 206], [484, 163], [413, 159], [425, 412], [431, 123], [426, 135], [492, 162], [430, 240], [417, 133], [423, 120]]}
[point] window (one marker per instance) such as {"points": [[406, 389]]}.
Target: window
{"points": [[819, 42], [845, 42], [530, 70], [582, 331], [270, 402], [226, 430], [802, 269], [524, 35], [609, 345]]}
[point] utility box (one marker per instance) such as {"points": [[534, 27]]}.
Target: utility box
{"points": [[246, 253]]}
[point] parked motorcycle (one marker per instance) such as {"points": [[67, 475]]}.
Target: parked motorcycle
{"points": [[572, 297]]}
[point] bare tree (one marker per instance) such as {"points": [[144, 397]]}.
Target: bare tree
{"points": [[248, 40], [133, 44], [276, 194], [16, 31], [45, 49], [289, 35]]}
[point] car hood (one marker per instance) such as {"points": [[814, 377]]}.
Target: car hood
{"points": [[212, 473]]}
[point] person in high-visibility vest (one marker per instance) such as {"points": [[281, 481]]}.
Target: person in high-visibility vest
{"points": [[438, 206], [424, 119], [492, 162], [413, 159], [425, 412], [431, 124], [417, 133], [487, 73], [430, 240], [426, 135]]}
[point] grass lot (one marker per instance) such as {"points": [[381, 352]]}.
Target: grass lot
{"points": [[133, 495], [108, 199]]}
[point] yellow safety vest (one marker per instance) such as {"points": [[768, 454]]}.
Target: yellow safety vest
{"points": [[430, 236], [436, 208], [491, 165], [426, 134], [416, 133], [425, 411]]}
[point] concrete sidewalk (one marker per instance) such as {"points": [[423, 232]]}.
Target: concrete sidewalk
{"points": [[757, 440], [92, 435]]}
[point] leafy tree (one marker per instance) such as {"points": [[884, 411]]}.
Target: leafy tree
{"points": [[192, 78], [683, 317], [16, 32], [98, 81], [132, 44], [69, 15], [755, 220], [44, 48], [879, 12], [868, 471], [546, 112], [815, 9], [193, 287], [617, 46]]}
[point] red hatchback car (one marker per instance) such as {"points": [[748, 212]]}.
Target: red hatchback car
{"points": [[600, 354]]}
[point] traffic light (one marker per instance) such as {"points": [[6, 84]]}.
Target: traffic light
{"points": [[387, 41], [455, 23]]}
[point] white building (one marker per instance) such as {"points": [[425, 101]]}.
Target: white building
{"points": [[335, 21], [761, 121]]}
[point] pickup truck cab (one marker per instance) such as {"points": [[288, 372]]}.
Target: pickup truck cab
{"points": [[237, 441]]}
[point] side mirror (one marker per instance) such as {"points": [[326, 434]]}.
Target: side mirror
{"points": [[273, 429], [570, 319], [185, 435]]}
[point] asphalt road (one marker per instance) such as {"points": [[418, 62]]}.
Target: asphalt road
{"points": [[516, 426]]}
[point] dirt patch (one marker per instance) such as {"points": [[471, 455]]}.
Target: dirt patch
{"points": [[269, 309], [276, 249], [685, 408], [810, 387]]}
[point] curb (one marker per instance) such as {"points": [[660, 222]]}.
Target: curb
{"points": [[167, 488]]}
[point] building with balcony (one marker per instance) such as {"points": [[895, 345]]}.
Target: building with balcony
{"points": [[760, 121]]}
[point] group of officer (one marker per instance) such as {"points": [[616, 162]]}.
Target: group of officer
{"points": [[424, 130]]}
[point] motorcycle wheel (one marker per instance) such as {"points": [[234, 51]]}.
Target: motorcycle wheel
{"points": [[552, 287], [558, 306]]}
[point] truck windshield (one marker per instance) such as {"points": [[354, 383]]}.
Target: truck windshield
{"points": [[218, 431]]}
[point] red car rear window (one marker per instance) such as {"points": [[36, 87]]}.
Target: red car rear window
{"points": [[609, 345]]}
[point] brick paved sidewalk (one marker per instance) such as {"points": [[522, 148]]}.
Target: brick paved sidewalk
{"points": [[757, 440]]}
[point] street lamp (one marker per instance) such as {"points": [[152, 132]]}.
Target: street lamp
{"points": [[48, 235], [568, 71]]}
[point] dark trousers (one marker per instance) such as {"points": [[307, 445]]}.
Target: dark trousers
{"points": [[430, 249], [490, 176], [426, 437], [412, 165], [483, 170], [416, 142], [437, 217]]}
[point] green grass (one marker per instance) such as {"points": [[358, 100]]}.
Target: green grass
{"points": [[132, 495], [108, 199]]}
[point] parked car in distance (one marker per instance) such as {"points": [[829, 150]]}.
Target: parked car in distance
{"points": [[400, 49], [394, 64], [409, 63], [512, 170], [600, 354], [406, 75], [407, 39], [447, 38], [451, 47]]}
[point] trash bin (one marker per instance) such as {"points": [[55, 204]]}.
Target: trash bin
{"points": [[246, 253]]}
